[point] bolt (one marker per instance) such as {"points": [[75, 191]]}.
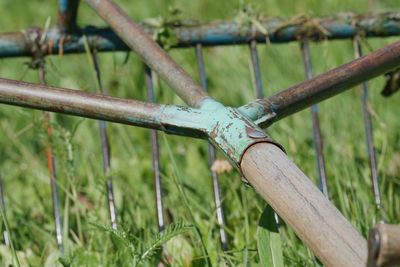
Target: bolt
{"points": [[254, 133]]}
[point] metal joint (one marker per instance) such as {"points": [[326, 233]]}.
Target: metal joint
{"points": [[233, 132]]}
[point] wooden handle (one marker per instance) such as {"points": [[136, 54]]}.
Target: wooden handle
{"points": [[384, 246], [302, 206]]}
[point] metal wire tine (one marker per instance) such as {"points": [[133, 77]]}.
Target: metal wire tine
{"points": [[105, 149], [67, 13], [52, 168], [256, 69], [211, 159], [317, 135], [155, 153], [259, 87], [3, 207], [369, 133]]}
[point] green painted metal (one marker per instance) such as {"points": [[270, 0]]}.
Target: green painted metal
{"points": [[231, 131]]}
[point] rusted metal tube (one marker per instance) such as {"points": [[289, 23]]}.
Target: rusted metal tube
{"points": [[265, 111], [152, 54], [317, 135], [67, 12], [373, 164], [168, 118]]}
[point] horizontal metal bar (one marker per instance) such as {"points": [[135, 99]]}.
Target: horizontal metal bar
{"points": [[171, 119], [296, 98], [276, 30]]}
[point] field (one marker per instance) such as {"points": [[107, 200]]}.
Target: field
{"points": [[186, 180]]}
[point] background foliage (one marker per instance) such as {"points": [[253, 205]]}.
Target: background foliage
{"points": [[184, 163]]}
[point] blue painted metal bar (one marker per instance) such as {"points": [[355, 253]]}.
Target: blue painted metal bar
{"points": [[211, 158], [317, 135], [215, 33], [105, 149], [51, 164], [373, 164], [67, 13], [155, 152]]}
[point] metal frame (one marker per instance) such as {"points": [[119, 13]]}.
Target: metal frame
{"points": [[232, 130]]}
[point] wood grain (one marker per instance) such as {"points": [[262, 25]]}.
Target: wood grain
{"points": [[302, 206], [384, 246]]}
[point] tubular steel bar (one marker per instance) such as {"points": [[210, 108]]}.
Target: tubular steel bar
{"points": [[296, 98], [51, 164], [67, 13], [155, 152], [105, 149], [152, 54], [342, 26], [211, 158], [369, 133], [171, 119], [318, 139]]}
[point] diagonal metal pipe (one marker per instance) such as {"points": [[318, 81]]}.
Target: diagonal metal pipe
{"points": [[266, 111], [152, 54]]}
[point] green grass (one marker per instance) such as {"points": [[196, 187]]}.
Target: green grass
{"points": [[186, 180]]}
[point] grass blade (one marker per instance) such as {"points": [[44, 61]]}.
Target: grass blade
{"points": [[269, 241]]}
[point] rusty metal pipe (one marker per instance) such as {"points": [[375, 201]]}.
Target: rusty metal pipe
{"points": [[152, 54], [301, 96], [168, 118]]}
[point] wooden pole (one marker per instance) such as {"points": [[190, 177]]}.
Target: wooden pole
{"points": [[384, 246], [302, 206]]}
